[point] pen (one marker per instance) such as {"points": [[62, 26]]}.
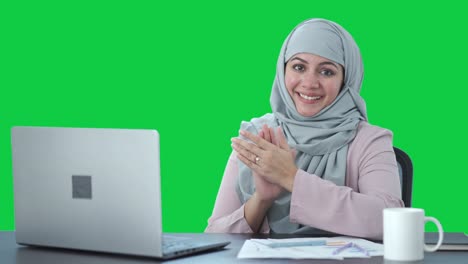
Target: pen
{"points": [[306, 243], [351, 245]]}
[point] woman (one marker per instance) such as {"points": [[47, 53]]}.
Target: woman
{"points": [[315, 164]]}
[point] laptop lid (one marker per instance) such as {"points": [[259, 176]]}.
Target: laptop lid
{"points": [[88, 189]]}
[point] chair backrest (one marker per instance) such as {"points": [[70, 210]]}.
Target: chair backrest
{"points": [[405, 168]]}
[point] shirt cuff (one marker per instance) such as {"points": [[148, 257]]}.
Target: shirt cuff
{"points": [[297, 195]]}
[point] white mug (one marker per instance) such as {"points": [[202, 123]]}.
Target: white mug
{"points": [[404, 234]]}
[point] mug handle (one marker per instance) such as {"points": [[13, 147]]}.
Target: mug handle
{"points": [[441, 234]]}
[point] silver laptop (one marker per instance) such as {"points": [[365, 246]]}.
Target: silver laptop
{"points": [[93, 189]]}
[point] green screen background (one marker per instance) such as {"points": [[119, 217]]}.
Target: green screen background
{"points": [[195, 70]]}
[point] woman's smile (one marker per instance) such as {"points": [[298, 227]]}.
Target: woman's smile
{"points": [[309, 99]]}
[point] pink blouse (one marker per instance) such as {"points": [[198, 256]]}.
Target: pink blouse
{"points": [[372, 184]]}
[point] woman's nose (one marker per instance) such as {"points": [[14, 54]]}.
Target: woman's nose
{"points": [[310, 81]]}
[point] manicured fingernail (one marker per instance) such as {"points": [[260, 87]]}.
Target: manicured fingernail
{"points": [[242, 132]]}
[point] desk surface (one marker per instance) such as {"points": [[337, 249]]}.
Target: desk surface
{"points": [[10, 252]]}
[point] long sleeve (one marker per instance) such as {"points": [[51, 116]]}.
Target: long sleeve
{"points": [[372, 184], [228, 212]]}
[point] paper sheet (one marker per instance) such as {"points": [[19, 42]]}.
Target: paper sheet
{"points": [[257, 248]]}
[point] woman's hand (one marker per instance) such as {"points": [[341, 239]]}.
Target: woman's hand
{"points": [[266, 191], [273, 162]]}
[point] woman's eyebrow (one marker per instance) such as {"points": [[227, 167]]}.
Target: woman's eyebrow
{"points": [[297, 58], [328, 63]]}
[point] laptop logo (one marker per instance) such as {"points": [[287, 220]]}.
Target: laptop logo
{"points": [[81, 187]]}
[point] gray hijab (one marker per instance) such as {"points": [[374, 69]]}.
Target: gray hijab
{"points": [[322, 140]]}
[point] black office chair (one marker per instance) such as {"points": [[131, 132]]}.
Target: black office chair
{"points": [[405, 168]]}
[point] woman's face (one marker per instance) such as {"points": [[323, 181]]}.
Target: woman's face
{"points": [[313, 82]]}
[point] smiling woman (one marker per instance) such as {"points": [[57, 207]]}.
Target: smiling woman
{"points": [[313, 82], [314, 165]]}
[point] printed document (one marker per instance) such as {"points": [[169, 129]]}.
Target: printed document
{"points": [[311, 248]]}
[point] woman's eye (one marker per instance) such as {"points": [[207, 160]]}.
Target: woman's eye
{"points": [[298, 67], [327, 72]]}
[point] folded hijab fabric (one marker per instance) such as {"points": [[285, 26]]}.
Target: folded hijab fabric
{"points": [[321, 141]]}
